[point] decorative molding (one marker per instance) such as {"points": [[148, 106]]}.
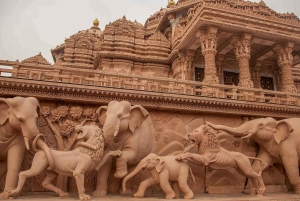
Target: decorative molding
{"points": [[153, 100]]}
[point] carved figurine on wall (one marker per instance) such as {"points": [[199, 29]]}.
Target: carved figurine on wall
{"points": [[70, 163], [126, 128], [163, 169], [212, 155], [279, 142], [18, 117]]}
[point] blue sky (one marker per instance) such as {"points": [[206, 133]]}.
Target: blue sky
{"points": [[32, 26]]}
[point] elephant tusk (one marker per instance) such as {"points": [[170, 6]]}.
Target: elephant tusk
{"points": [[116, 133], [26, 142], [247, 136]]}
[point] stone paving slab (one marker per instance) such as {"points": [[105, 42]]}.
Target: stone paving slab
{"points": [[290, 196]]}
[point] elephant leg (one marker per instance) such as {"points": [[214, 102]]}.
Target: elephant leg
{"points": [[15, 157], [121, 163], [39, 164], [182, 181], [165, 185], [47, 184], [290, 162], [3, 169], [102, 177], [176, 189], [143, 187]]}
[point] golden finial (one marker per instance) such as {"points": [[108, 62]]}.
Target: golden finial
{"points": [[171, 3], [96, 22]]}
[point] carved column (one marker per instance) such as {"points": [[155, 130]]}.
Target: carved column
{"points": [[219, 63], [208, 41], [186, 62], [285, 62], [242, 53], [256, 74]]}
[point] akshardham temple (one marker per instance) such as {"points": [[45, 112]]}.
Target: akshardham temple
{"points": [[222, 61]]}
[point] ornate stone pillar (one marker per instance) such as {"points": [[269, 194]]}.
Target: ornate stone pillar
{"points": [[219, 63], [285, 63], [189, 67], [256, 74], [242, 53], [208, 41]]}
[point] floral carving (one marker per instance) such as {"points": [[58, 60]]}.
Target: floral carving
{"points": [[76, 112], [67, 128], [45, 111], [60, 112]]}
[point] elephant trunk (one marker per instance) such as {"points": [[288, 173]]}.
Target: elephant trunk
{"points": [[141, 165], [38, 143], [111, 128], [240, 131]]}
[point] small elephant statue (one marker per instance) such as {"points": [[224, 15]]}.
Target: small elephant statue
{"points": [[86, 157], [212, 155], [163, 169]]}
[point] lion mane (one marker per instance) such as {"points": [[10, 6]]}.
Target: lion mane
{"points": [[211, 141], [96, 139]]}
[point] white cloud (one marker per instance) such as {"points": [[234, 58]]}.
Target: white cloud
{"points": [[32, 26]]}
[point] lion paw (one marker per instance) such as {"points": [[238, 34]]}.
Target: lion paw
{"points": [[12, 193], [189, 195], [63, 194], [138, 195], [260, 192], [170, 196], [253, 191], [84, 197], [7, 194]]}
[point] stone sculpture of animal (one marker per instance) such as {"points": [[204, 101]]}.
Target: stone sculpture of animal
{"points": [[279, 142], [70, 163], [212, 155], [18, 117], [163, 169], [126, 128]]}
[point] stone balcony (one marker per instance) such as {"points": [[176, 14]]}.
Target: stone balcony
{"points": [[157, 93]]}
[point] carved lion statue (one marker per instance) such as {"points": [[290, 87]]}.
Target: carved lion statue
{"points": [[212, 155], [87, 156]]}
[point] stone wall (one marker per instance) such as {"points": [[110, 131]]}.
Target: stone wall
{"points": [[58, 119]]}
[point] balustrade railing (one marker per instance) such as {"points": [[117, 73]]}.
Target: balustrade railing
{"points": [[157, 84]]}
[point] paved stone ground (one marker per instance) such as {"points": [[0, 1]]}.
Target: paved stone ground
{"points": [[201, 197]]}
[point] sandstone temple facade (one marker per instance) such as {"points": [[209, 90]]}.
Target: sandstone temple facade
{"points": [[223, 61]]}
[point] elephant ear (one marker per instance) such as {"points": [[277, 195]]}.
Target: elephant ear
{"points": [[138, 115], [283, 130], [101, 111], [3, 110], [159, 165]]}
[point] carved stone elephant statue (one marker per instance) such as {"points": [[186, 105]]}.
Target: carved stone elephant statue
{"points": [[126, 128], [163, 169], [279, 142], [18, 125]]}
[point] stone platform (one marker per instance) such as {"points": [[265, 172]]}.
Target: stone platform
{"points": [[203, 197]]}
